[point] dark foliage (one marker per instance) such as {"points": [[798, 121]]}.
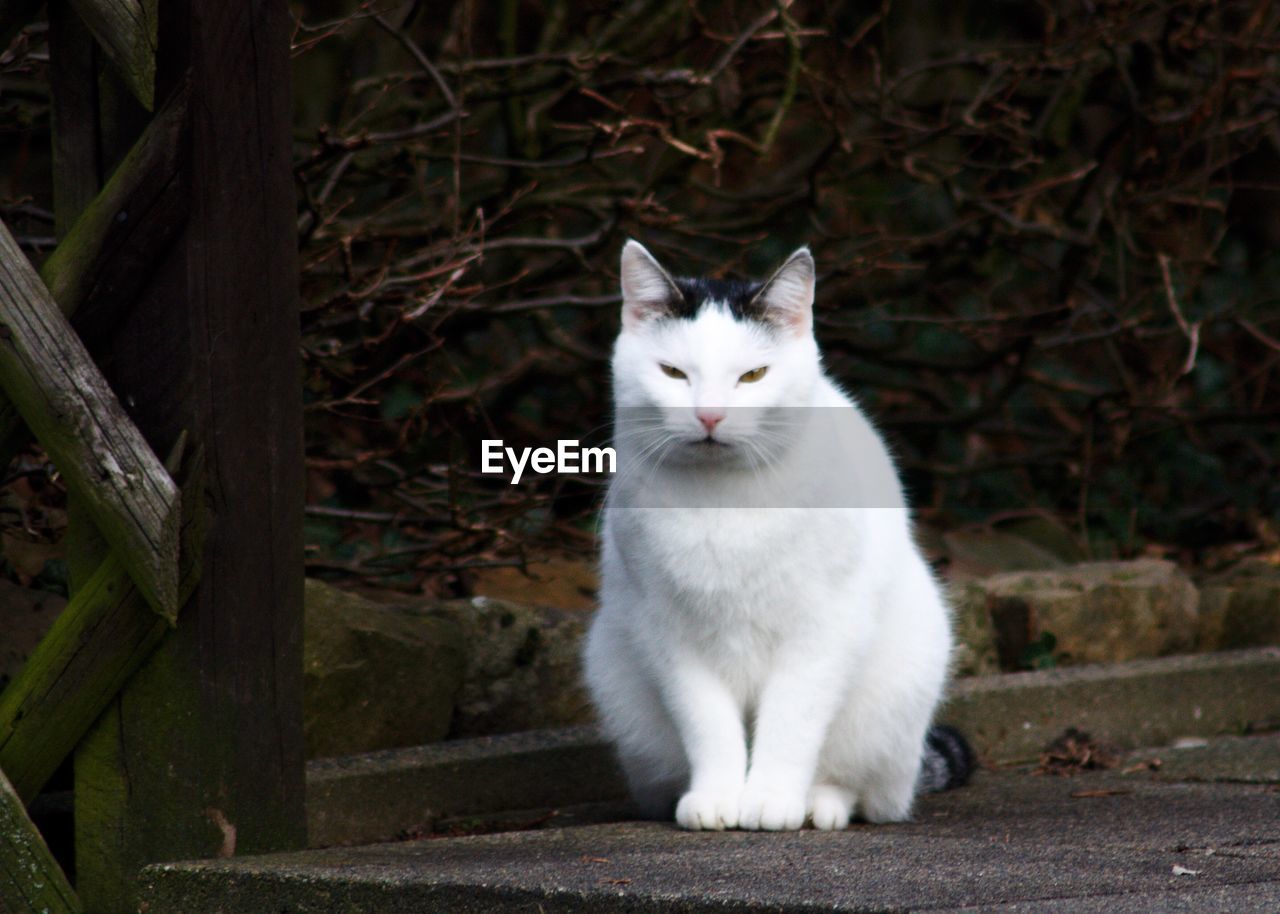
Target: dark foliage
{"points": [[1045, 237], [1045, 234]]}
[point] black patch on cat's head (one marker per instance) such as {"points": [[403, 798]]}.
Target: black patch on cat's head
{"points": [[740, 296], [783, 302]]}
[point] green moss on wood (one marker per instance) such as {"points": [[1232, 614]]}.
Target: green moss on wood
{"points": [[31, 882], [97, 643]]}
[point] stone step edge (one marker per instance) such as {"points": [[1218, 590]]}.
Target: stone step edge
{"points": [[1009, 717]]}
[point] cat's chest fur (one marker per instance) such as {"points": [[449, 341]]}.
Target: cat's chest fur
{"points": [[718, 550], [735, 563]]}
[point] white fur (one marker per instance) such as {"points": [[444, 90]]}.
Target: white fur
{"points": [[757, 666]]}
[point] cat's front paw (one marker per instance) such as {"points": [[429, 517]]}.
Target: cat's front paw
{"points": [[706, 810], [771, 810]]}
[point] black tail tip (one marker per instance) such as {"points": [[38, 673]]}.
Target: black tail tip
{"points": [[949, 760]]}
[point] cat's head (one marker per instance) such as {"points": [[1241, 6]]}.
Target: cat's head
{"points": [[714, 356]]}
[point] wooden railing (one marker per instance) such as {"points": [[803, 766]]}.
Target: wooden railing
{"points": [[158, 247]]}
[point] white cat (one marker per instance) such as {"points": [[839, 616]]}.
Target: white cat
{"points": [[771, 645]]}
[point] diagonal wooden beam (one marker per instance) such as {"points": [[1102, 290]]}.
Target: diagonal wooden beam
{"points": [[126, 29], [101, 264], [102, 260], [31, 882], [97, 642], [74, 414]]}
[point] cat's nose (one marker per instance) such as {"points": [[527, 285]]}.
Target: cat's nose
{"points": [[710, 418]]}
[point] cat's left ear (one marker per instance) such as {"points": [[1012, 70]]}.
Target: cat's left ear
{"points": [[647, 289], [787, 297]]}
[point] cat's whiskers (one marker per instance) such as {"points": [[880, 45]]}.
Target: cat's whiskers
{"points": [[762, 464], [767, 447], [635, 462]]}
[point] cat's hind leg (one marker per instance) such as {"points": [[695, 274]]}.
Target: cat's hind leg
{"points": [[631, 714], [652, 756], [830, 806], [881, 739], [655, 783], [888, 794], [872, 763]]}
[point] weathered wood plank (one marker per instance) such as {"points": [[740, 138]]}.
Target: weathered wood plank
{"points": [[102, 261], [71, 409], [73, 81], [127, 31], [31, 882]]}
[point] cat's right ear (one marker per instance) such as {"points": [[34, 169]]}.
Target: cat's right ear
{"points": [[787, 296], [647, 289]]}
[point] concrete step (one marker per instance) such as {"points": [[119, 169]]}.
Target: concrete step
{"points": [[1146, 840], [381, 796], [1190, 829], [518, 778]]}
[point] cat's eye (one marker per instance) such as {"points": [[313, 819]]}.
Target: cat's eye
{"points": [[671, 371], [753, 375]]}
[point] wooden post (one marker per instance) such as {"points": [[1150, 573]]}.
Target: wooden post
{"points": [[201, 755]]}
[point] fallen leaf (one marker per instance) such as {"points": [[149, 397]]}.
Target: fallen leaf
{"points": [[1075, 751], [1102, 792]]}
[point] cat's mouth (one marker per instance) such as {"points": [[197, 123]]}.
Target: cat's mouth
{"points": [[704, 451], [709, 448]]}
